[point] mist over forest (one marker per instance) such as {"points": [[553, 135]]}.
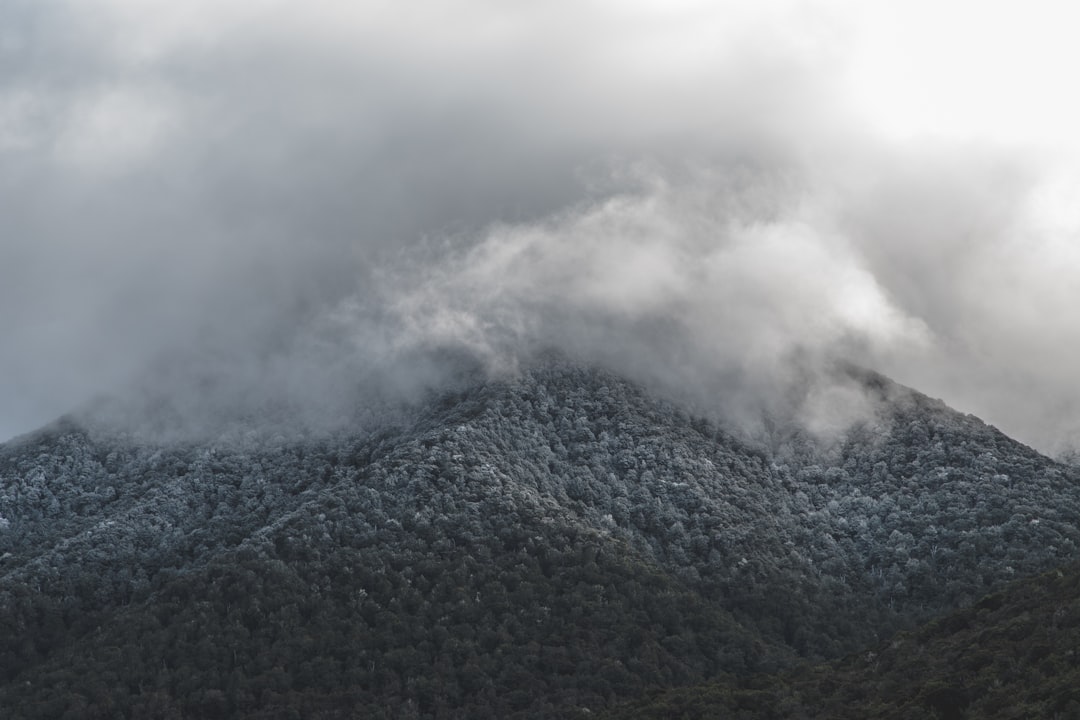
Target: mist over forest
{"points": [[584, 358]]}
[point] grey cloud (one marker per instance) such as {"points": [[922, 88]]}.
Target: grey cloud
{"points": [[245, 209]]}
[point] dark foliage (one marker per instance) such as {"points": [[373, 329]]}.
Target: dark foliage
{"points": [[1014, 654], [530, 549]]}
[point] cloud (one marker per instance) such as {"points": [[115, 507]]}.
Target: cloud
{"points": [[694, 287], [275, 202]]}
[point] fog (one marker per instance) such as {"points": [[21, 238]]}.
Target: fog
{"points": [[309, 210]]}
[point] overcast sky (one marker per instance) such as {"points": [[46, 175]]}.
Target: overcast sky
{"points": [[258, 201]]}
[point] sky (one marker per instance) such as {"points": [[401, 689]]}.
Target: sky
{"points": [[233, 207]]}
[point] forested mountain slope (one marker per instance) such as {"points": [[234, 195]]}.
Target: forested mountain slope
{"points": [[1015, 654], [532, 548]]}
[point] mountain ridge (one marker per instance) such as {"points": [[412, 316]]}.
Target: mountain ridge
{"points": [[559, 489]]}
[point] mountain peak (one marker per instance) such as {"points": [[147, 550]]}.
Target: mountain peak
{"points": [[562, 513]]}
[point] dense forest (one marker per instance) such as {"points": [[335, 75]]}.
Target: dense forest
{"points": [[542, 547], [1014, 654]]}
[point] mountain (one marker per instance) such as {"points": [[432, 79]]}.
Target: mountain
{"points": [[543, 546]]}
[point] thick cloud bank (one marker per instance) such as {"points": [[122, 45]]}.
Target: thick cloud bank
{"points": [[305, 208]]}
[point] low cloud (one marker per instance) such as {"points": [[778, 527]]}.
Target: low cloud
{"points": [[309, 209]]}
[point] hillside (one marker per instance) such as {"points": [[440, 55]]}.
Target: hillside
{"points": [[528, 548], [1014, 654]]}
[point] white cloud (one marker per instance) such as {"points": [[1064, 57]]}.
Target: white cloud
{"points": [[994, 72]]}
